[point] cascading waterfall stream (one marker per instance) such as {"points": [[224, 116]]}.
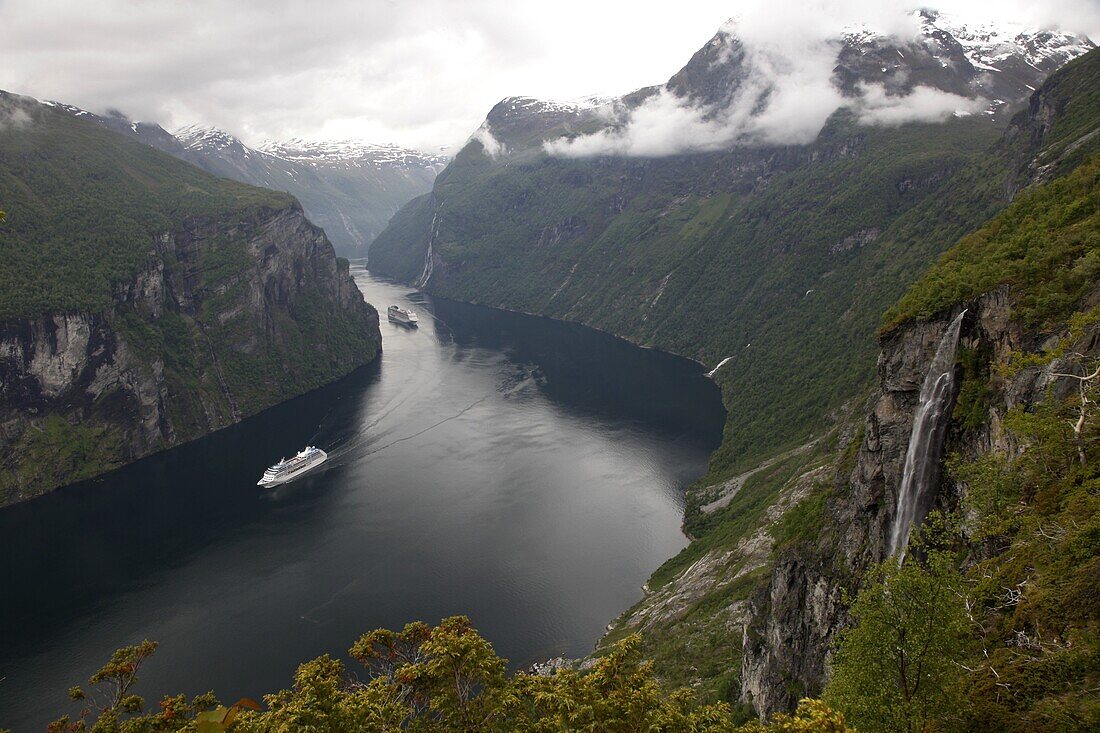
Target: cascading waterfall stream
{"points": [[922, 459]]}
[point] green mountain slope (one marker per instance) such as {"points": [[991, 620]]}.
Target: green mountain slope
{"points": [[749, 610], [781, 259], [144, 303], [82, 206]]}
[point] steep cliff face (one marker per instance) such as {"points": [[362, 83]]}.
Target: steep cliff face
{"points": [[188, 346], [794, 616], [755, 601]]}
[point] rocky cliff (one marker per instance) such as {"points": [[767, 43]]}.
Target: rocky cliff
{"points": [[150, 303], [791, 619], [754, 602], [183, 349]]}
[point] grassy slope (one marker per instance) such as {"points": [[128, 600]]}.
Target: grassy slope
{"points": [[1048, 280], [83, 204]]}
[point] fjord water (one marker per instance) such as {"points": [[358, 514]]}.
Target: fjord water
{"points": [[525, 472]]}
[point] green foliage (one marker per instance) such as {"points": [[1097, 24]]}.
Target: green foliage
{"points": [[84, 205], [802, 522], [110, 699], [445, 679], [1038, 623], [812, 716], [54, 450], [1045, 246], [975, 394], [896, 668]]}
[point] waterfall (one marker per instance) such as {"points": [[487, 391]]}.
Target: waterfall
{"points": [[426, 273], [922, 459]]}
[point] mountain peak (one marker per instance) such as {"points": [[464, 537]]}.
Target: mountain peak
{"points": [[206, 138]]}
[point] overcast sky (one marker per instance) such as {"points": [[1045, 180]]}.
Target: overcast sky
{"points": [[421, 73]]}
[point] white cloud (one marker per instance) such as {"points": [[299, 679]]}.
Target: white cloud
{"points": [[923, 104], [788, 94], [13, 116], [420, 73], [492, 147]]}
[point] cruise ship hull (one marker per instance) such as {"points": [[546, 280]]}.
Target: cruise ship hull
{"points": [[290, 476], [401, 317]]}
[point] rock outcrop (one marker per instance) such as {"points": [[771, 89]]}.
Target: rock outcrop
{"points": [[227, 317], [794, 616]]}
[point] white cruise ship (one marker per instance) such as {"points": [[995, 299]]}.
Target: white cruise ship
{"points": [[287, 470], [397, 314]]}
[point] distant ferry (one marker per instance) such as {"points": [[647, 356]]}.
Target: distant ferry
{"points": [[397, 314], [287, 470]]}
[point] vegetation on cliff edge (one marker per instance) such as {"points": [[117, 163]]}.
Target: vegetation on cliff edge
{"points": [[445, 679]]}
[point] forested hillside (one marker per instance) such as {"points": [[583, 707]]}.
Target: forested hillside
{"points": [[780, 258], [989, 623], [144, 302], [785, 260]]}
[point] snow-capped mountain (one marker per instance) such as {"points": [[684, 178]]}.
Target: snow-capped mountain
{"points": [[351, 154], [999, 63], [993, 67], [990, 45], [210, 140], [348, 188]]}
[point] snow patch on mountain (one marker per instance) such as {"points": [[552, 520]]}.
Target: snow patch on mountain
{"points": [[765, 82], [208, 139], [351, 153], [988, 44], [559, 106]]}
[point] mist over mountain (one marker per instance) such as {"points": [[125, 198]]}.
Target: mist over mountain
{"points": [[759, 82], [873, 230], [780, 165]]}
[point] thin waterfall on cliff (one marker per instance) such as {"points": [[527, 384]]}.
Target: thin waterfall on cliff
{"points": [[922, 460]]}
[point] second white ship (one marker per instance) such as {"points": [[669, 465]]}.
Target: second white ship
{"points": [[405, 317]]}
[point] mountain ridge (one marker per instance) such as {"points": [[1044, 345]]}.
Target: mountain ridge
{"points": [[776, 261], [145, 302], [350, 195]]}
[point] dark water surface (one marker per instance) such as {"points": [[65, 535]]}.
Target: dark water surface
{"points": [[525, 472]]}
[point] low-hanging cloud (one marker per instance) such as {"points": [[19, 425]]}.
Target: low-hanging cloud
{"points": [[923, 104], [787, 93], [13, 115], [418, 73], [492, 147], [424, 73]]}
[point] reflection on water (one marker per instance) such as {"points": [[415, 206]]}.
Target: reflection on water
{"points": [[519, 470]]}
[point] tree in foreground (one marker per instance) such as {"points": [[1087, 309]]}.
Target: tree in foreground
{"points": [[427, 680], [896, 668]]}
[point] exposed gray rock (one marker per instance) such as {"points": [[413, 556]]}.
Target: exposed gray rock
{"points": [[793, 619], [81, 393]]}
